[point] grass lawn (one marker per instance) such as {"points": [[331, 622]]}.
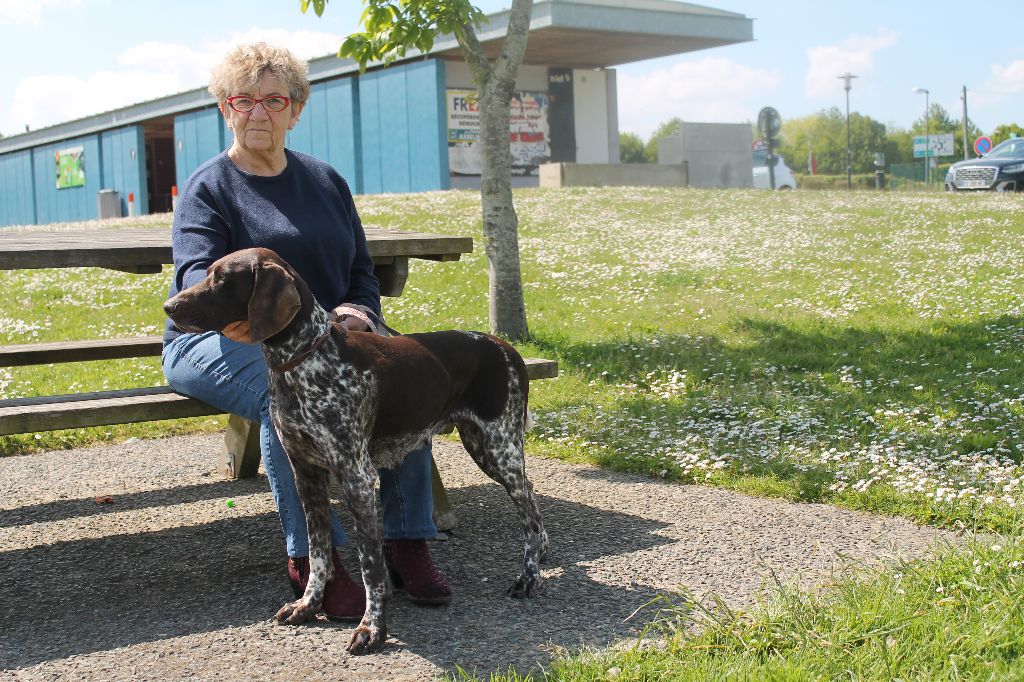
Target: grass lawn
{"points": [[857, 349]]}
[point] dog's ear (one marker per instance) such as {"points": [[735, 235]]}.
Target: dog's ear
{"points": [[275, 301]]}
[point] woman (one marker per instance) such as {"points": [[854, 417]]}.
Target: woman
{"points": [[258, 193]]}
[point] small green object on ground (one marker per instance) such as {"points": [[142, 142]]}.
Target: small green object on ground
{"points": [[231, 503]]}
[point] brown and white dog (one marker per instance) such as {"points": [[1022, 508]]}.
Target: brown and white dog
{"points": [[348, 403]]}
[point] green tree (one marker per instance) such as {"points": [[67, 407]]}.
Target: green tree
{"points": [[824, 135], [631, 148], [899, 146], [1005, 132], [393, 27], [669, 127]]}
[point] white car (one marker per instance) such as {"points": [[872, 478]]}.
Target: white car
{"points": [[784, 178]]}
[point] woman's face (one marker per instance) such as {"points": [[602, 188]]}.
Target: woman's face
{"points": [[261, 131]]}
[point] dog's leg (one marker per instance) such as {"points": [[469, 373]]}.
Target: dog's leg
{"points": [[501, 457], [357, 484], [312, 483]]}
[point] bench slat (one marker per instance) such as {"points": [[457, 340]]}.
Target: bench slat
{"points": [[79, 351], [103, 408], [151, 346], [50, 413]]}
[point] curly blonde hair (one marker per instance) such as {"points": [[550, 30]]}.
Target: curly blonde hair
{"points": [[245, 65]]}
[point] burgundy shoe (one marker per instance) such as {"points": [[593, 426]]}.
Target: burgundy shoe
{"points": [[343, 599], [413, 570]]}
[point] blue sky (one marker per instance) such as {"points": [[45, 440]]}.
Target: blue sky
{"points": [[71, 58]]}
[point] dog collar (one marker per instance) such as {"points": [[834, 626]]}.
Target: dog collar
{"points": [[304, 355]]}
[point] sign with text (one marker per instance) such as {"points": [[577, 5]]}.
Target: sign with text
{"points": [[529, 134], [941, 145]]}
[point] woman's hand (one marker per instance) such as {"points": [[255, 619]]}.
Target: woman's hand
{"points": [[354, 324], [352, 319]]}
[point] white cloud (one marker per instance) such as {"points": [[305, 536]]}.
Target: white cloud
{"points": [[998, 94], [710, 89], [1007, 79], [22, 12], [147, 71], [855, 55]]}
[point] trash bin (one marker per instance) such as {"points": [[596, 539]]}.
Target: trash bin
{"points": [[108, 204]]}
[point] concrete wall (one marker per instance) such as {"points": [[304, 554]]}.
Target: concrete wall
{"points": [[718, 154], [594, 125], [617, 175]]}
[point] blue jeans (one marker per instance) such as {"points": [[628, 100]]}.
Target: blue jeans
{"points": [[232, 377]]}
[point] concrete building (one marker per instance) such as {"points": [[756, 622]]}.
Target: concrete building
{"points": [[716, 154], [408, 127]]}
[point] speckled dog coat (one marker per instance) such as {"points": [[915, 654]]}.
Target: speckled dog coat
{"points": [[349, 403]]}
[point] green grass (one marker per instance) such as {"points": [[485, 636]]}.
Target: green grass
{"points": [[860, 349]]}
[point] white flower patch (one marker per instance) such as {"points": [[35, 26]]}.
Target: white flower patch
{"points": [[17, 330]]}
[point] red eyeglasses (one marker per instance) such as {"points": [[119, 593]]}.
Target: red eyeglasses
{"points": [[244, 105]]}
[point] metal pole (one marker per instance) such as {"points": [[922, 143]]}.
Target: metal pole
{"points": [[849, 170], [847, 77], [927, 142], [964, 98]]}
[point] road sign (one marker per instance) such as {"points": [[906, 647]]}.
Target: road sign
{"points": [[769, 122], [941, 145], [983, 145]]}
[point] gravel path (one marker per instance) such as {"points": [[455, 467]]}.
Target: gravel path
{"points": [[168, 582]]}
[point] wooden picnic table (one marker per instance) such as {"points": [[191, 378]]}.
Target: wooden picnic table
{"points": [[147, 250]]}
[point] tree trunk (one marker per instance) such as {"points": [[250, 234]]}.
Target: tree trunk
{"points": [[495, 84]]}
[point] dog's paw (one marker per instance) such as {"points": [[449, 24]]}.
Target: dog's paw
{"points": [[525, 586], [295, 613], [366, 640]]}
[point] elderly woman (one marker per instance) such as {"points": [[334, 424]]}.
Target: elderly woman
{"points": [[258, 193]]}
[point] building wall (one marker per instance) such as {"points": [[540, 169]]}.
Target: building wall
{"points": [[17, 201], [530, 77], [198, 137], [124, 167], [403, 129], [328, 128]]}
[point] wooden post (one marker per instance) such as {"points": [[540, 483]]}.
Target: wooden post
{"points": [[241, 454], [444, 517]]}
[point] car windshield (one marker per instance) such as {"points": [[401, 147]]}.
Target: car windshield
{"points": [[1010, 149]]}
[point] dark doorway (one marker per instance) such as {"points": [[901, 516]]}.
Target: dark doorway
{"points": [[159, 163], [561, 116]]}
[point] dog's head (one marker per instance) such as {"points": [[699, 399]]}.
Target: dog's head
{"points": [[247, 296]]}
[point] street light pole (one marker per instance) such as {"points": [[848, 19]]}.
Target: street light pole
{"points": [[927, 137], [847, 77], [964, 98]]}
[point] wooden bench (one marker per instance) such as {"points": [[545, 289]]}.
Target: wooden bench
{"points": [[146, 251], [240, 455]]}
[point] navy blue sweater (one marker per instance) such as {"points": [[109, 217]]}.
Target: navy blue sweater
{"points": [[305, 214]]}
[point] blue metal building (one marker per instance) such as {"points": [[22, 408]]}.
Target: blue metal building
{"points": [[386, 130]]}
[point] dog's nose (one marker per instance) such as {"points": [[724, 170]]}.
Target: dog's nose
{"points": [[170, 306]]}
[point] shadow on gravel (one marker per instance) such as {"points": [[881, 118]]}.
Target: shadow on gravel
{"points": [[85, 507], [79, 597]]}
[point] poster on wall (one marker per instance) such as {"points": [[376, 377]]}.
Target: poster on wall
{"points": [[70, 167], [529, 134]]}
